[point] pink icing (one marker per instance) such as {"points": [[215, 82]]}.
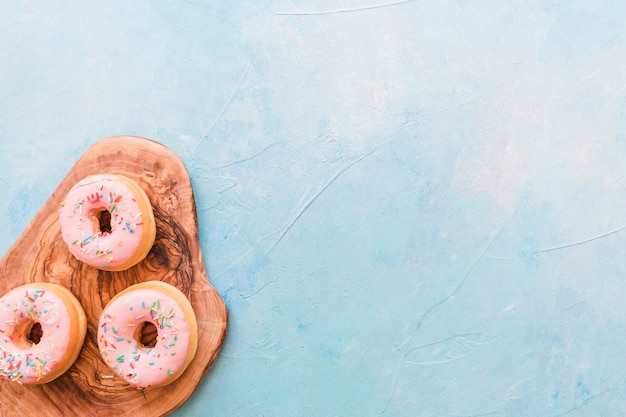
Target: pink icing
{"points": [[24, 361], [138, 365], [82, 234]]}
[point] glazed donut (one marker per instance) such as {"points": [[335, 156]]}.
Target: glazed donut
{"points": [[107, 222], [148, 334], [42, 329]]}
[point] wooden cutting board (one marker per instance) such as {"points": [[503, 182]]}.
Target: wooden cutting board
{"points": [[40, 254]]}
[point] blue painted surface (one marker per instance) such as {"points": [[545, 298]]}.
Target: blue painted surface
{"points": [[411, 208]]}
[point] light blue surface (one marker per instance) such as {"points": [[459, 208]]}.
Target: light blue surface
{"points": [[411, 209]]}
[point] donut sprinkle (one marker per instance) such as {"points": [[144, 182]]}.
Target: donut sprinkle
{"points": [[21, 359], [141, 362], [101, 221]]}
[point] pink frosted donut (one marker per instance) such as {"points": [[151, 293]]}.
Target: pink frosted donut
{"points": [[107, 222], [42, 329], [148, 334]]}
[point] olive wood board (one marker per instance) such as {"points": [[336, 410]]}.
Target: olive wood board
{"points": [[90, 387]]}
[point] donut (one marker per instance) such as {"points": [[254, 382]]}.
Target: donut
{"points": [[107, 222], [42, 329], [148, 334]]}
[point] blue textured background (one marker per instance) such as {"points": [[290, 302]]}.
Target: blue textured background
{"points": [[412, 208]]}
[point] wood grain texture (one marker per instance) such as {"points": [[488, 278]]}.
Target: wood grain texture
{"points": [[40, 254]]}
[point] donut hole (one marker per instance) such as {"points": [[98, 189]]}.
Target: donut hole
{"points": [[103, 219], [146, 335], [27, 333], [35, 333]]}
